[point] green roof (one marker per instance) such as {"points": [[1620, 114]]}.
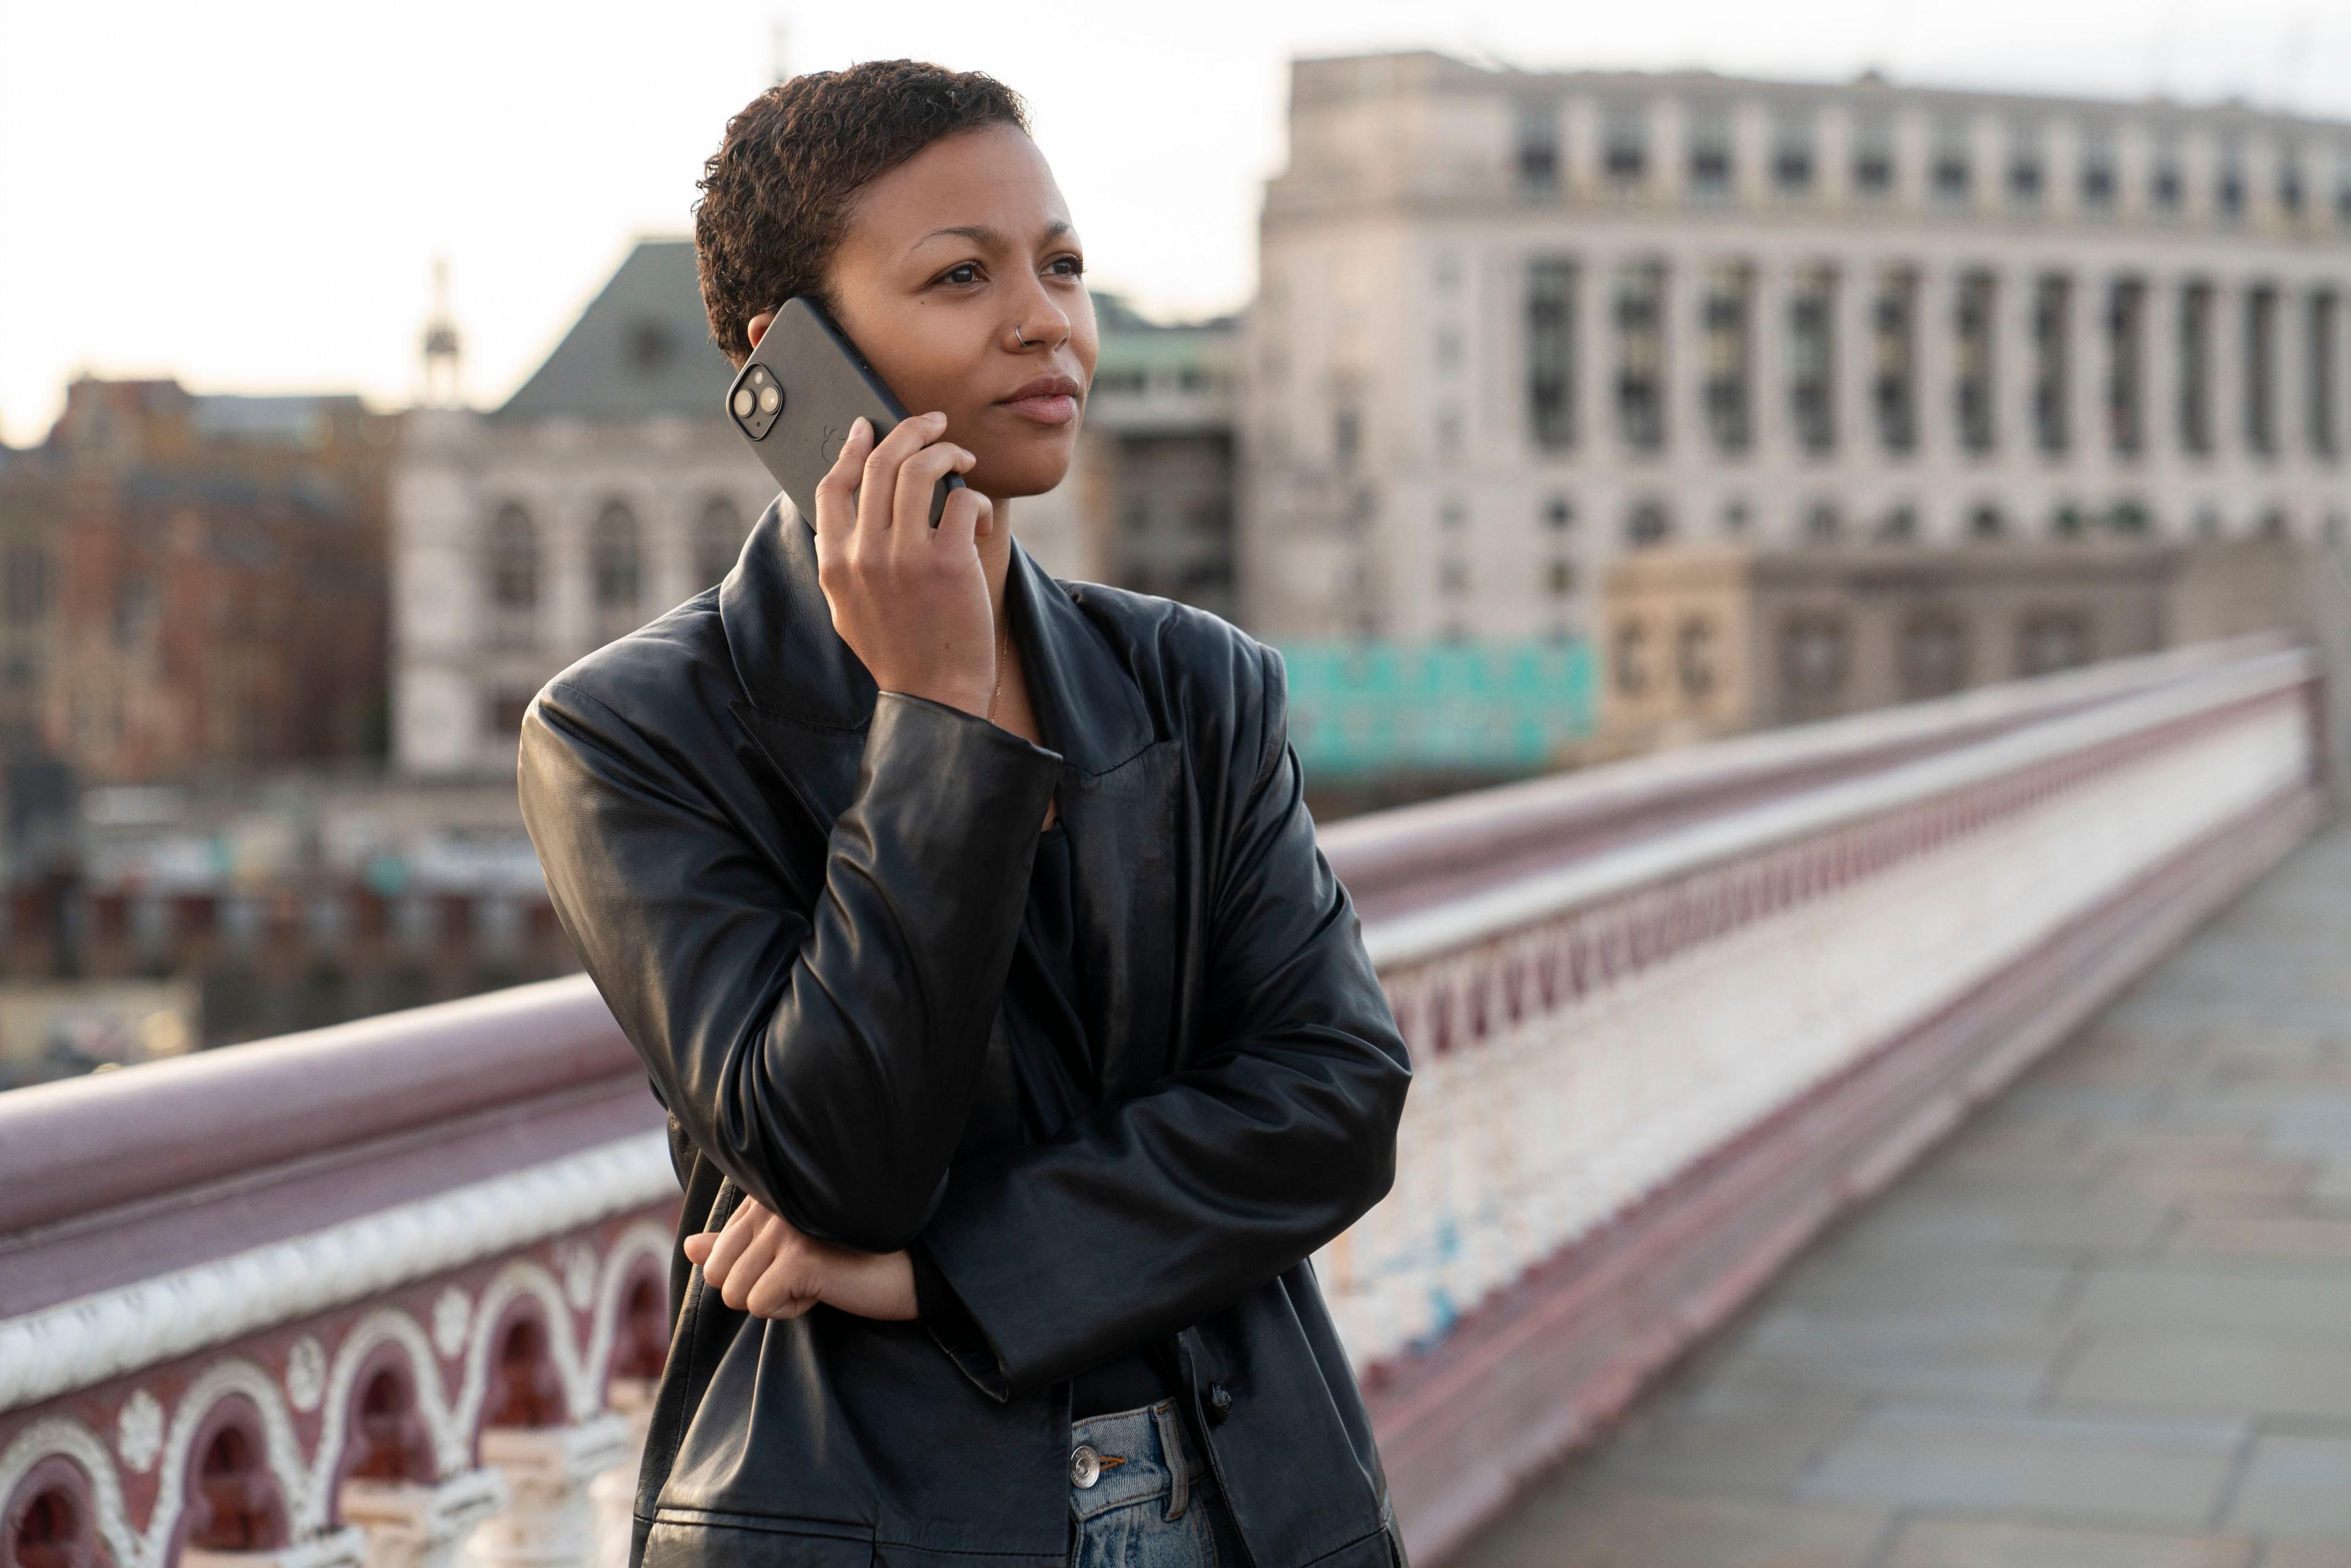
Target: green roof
{"points": [[642, 348]]}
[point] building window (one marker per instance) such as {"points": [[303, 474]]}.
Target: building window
{"points": [[1953, 168], [616, 566], [1452, 515], [1625, 143], [1735, 517], [1641, 354], [1792, 156], [2290, 193], [2126, 366], [1932, 654], [1894, 359], [2229, 182], [1694, 657], [1535, 145], [1448, 433], [2024, 166], [2195, 362], [1812, 359], [717, 540], [1448, 348], [27, 585], [2343, 186], [1561, 578], [1631, 669], [651, 348], [2051, 640], [1728, 307], [1346, 436], [1973, 328], [1453, 576], [1709, 153], [2052, 379], [1558, 514], [1813, 655], [1648, 525], [2321, 399], [1823, 525], [2261, 370], [1550, 353], [1986, 523], [510, 566], [1898, 526], [1873, 155], [2098, 184], [2167, 187]]}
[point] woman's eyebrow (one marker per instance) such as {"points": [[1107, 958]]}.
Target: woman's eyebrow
{"points": [[982, 235]]}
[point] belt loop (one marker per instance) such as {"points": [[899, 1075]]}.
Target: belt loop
{"points": [[1171, 1449]]}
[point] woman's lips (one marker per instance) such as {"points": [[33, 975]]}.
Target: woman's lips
{"points": [[1048, 408]]}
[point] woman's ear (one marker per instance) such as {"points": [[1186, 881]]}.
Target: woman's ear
{"points": [[757, 326]]}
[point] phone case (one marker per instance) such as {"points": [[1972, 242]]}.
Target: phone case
{"points": [[824, 384]]}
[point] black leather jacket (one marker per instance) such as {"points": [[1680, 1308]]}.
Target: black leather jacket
{"points": [[801, 902]]}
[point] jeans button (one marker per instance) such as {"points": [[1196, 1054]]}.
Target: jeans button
{"points": [[1220, 1403], [1085, 1466]]}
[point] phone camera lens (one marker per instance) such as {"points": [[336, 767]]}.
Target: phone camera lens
{"points": [[744, 402], [770, 399]]}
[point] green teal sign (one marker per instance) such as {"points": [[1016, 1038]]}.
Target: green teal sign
{"points": [[1377, 707]]}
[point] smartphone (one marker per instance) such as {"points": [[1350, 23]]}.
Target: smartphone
{"points": [[797, 395]]}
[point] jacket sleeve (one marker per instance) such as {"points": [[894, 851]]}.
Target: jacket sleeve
{"points": [[1149, 1214], [823, 1057]]}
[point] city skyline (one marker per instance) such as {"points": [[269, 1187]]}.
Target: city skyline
{"points": [[331, 291]]}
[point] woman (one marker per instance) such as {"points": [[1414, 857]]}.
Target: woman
{"points": [[1018, 1046]]}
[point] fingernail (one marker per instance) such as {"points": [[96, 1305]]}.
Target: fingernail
{"points": [[862, 426]]}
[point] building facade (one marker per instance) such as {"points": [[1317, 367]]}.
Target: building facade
{"points": [[1512, 325], [192, 586]]}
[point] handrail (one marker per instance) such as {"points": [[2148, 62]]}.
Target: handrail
{"points": [[1415, 937], [82, 1146]]}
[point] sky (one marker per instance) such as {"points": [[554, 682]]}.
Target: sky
{"points": [[251, 196]]}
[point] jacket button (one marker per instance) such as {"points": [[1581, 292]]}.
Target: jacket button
{"points": [[1220, 1404], [1085, 1466]]}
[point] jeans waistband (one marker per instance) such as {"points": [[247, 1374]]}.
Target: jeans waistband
{"points": [[1137, 1456]]}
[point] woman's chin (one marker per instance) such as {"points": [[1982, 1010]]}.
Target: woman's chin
{"points": [[1018, 474]]}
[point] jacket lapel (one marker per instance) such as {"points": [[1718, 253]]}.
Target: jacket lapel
{"points": [[808, 700]]}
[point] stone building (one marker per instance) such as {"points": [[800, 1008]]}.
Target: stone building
{"points": [[1514, 324], [1712, 639], [609, 488], [194, 586]]}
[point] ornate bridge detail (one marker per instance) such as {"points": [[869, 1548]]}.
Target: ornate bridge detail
{"points": [[1648, 1070], [395, 1292]]}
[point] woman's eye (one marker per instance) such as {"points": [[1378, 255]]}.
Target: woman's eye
{"points": [[967, 273], [1069, 266]]}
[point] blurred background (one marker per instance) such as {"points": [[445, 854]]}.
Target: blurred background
{"points": [[1807, 542]]}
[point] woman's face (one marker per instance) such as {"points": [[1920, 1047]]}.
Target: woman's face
{"points": [[946, 257]]}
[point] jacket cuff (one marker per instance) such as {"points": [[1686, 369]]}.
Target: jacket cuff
{"points": [[939, 1310]]}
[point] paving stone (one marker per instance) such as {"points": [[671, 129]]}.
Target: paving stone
{"points": [[2213, 1375], [1855, 1283], [2310, 1237], [2243, 1178], [1648, 1530], [1799, 1358], [2201, 1297], [2111, 1471], [1722, 1445], [1971, 1543], [2025, 1222], [2320, 1127], [2307, 1554], [2296, 1486]]}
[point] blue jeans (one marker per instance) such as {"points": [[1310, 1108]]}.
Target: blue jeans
{"points": [[1141, 1497]]}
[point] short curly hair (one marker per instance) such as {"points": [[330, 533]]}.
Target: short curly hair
{"points": [[776, 195]]}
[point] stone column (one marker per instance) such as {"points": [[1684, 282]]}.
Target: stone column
{"points": [[2015, 436], [1768, 361], [2225, 341], [2160, 344], [614, 1492], [414, 1525], [1687, 443], [549, 1521], [2090, 450], [1596, 354], [1859, 450]]}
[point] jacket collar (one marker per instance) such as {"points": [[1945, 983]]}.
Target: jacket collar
{"points": [[794, 666]]}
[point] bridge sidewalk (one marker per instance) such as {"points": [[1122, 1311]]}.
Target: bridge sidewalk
{"points": [[2107, 1325]]}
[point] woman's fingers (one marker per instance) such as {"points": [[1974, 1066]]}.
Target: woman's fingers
{"points": [[877, 486], [969, 516], [836, 493], [758, 1256], [918, 479]]}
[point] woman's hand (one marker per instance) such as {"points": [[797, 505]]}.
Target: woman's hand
{"points": [[761, 1265], [909, 599]]}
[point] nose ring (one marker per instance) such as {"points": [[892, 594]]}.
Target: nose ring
{"points": [[1019, 339]]}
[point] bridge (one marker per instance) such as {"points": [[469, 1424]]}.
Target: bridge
{"points": [[394, 1292]]}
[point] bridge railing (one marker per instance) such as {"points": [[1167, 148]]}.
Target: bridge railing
{"points": [[394, 1289]]}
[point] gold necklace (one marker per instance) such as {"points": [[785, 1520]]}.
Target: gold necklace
{"points": [[1003, 656]]}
